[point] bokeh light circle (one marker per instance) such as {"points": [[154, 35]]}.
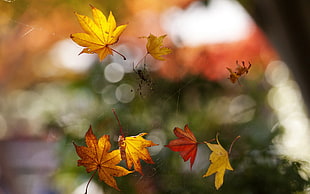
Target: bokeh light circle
{"points": [[125, 93], [108, 94], [114, 72]]}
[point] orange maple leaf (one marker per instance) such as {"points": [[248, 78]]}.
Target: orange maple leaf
{"points": [[186, 144], [134, 148], [100, 33], [96, 157]]}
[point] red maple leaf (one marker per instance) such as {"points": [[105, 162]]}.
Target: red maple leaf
{"points": [[186, 144]]}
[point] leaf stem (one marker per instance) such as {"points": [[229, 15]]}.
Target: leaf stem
{"points": [[211, 140], [119, 53], [143, 58], [92, 176], [233, 142], [119, 123]]}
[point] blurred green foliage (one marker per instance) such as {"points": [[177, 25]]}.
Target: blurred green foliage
{"points": [[257, 166]]}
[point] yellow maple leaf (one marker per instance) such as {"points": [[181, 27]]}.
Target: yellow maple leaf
{"points": [[219, 163], [134, 148], [99, 34], [155, 47], [96, 157]]}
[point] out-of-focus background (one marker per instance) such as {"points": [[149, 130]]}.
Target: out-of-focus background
{"points": [[50, 95]]}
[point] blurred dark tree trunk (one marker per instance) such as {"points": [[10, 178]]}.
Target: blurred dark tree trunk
{"points": [[287, 25]]}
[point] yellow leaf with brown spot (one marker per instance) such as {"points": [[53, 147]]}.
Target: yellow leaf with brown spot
{"points": [[134, 148]]}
